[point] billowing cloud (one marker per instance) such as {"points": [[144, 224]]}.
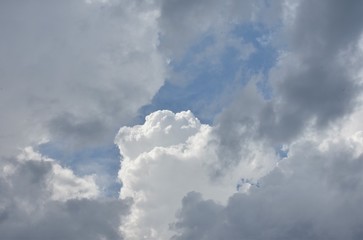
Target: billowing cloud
{"points": [[71, 72], [314, 193], [42, 200], [280, 164], [159, 158], [315, 83], [291, 154], [169, 156]]}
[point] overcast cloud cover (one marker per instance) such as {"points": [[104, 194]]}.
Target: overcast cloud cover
{"points": [[278, 82]]}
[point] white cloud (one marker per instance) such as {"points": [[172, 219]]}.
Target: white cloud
{"points": [[72, 71], [165, 158], [314, 94], [160, 158], [161, 129]]}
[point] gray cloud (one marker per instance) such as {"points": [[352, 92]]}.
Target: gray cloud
{"points": [[183, 23], [315, 82], [29, 211], [169, 156], [70, 70], [76, 132], [321, 86], [73, 219], [313, 194]]}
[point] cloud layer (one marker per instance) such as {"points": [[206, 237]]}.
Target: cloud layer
{"points": [[281, 158], [301, 164], [72, 71]]}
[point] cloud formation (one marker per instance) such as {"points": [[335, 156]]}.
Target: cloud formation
{"points": [[295, 145], [72, 71], [281, 160], [314, 193], [159, 156], [167, 157], [41, 200], [315, 83], [316, 189]]}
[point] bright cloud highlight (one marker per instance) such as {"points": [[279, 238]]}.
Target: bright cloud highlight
{"points": [[233, 119]]}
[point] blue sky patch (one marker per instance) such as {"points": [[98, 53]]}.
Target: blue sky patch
{"points": [[203, 81]]}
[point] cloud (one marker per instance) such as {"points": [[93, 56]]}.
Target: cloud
{"points": [[210, 47], [61, 182], [315, 83], [286, 167], [167, 157], [158, 157], [42, 200], [314, 79], [314, 193], [183, 23], [73, 70], [315, 97], [70, 74]]}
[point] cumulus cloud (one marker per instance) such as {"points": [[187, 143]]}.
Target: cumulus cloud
{"points": [[302, 167], [164, 151], [42, 200], [287, 167], [71, 72], [314, 193], [165, 158]]}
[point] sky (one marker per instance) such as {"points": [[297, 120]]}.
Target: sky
{"points": [[181, 119]]}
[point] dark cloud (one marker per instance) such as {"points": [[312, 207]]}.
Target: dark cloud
{"points": [[28, 211], [313, 194], [73, 219], [316, 191], [326, 26], [315, 82], [320, 87], [201, 221], [77, 132]]}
